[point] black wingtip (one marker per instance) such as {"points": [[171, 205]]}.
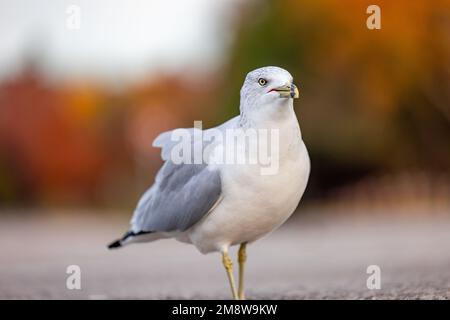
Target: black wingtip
{"points": [[114, 245], [118, 243]]}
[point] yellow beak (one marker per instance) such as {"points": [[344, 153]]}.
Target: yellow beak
{"points": [[288, 91]]}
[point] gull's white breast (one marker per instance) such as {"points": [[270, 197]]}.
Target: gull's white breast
{"points": [[253, 204]]}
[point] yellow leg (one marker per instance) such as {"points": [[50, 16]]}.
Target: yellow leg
{"points": [[242, 257], [227, 263]]}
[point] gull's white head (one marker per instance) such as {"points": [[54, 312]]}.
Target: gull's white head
{"points": [[268, 88]]}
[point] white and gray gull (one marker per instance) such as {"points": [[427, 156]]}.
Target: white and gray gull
{"points": [[216, 204]]}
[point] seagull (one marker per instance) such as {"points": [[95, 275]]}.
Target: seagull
{"points": [[214, 204]]}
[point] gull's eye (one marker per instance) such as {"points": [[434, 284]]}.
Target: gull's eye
{"points": [[262, 82]]}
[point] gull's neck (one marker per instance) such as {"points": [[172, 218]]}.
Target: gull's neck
{"points": [[275, 117], [278, 116]]}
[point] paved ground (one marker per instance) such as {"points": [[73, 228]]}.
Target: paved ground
{"points": [[321, 256]]}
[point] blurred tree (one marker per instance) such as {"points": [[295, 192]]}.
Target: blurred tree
{"points": [[371, 100]]}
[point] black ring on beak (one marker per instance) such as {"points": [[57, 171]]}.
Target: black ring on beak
{"points": [[293, 90]]}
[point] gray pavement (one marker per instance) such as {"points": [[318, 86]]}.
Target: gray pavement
{"points": [[314, 256]]}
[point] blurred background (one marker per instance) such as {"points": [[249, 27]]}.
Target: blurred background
{"points": [[86, 86], [80, 106]]}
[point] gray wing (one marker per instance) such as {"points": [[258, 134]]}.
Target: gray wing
{"points": [[181, 195]]}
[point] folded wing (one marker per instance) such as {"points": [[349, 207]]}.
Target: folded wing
{"points": [[181, 195]]}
